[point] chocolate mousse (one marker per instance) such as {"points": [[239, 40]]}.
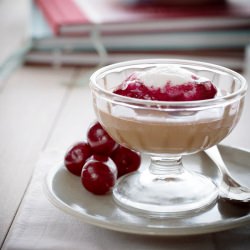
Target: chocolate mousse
{"points": [[166, 130]]}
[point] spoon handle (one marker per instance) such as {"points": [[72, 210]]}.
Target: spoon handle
{"points": [[216, 157]]}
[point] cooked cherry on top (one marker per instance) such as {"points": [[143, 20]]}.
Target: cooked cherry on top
{"points": [[167, 83]]}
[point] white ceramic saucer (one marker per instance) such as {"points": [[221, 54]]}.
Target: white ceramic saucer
{"points": [[65, 191]]}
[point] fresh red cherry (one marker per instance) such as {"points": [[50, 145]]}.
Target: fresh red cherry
{"points": [[126, 160], [99, 174], [100, 141], [76, 157]]}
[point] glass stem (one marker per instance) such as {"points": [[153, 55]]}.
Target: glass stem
{"points": [[166, 165]]}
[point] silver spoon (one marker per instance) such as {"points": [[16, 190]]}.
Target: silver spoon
{"points": [[229, 188]]}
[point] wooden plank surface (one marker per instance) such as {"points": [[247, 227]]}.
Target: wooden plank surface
{"points": [[29, 107], [43, 109], [75, 117]]}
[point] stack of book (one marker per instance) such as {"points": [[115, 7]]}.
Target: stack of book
{"points": [[98, 32]]}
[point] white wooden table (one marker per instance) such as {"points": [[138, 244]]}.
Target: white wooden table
{"points": [[44, 108]]}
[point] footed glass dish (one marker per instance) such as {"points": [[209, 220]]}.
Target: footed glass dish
{"points": [[166, 131]]}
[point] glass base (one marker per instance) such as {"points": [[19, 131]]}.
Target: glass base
{"points": [[160, 195]]}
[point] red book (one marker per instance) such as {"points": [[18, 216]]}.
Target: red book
{"points": [[62, 12], [110, 16]]}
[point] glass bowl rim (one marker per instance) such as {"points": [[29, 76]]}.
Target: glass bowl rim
{"points": [[240, 92]]}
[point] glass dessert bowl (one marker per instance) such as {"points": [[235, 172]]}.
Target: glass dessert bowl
{"points": [[166, 131]]}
